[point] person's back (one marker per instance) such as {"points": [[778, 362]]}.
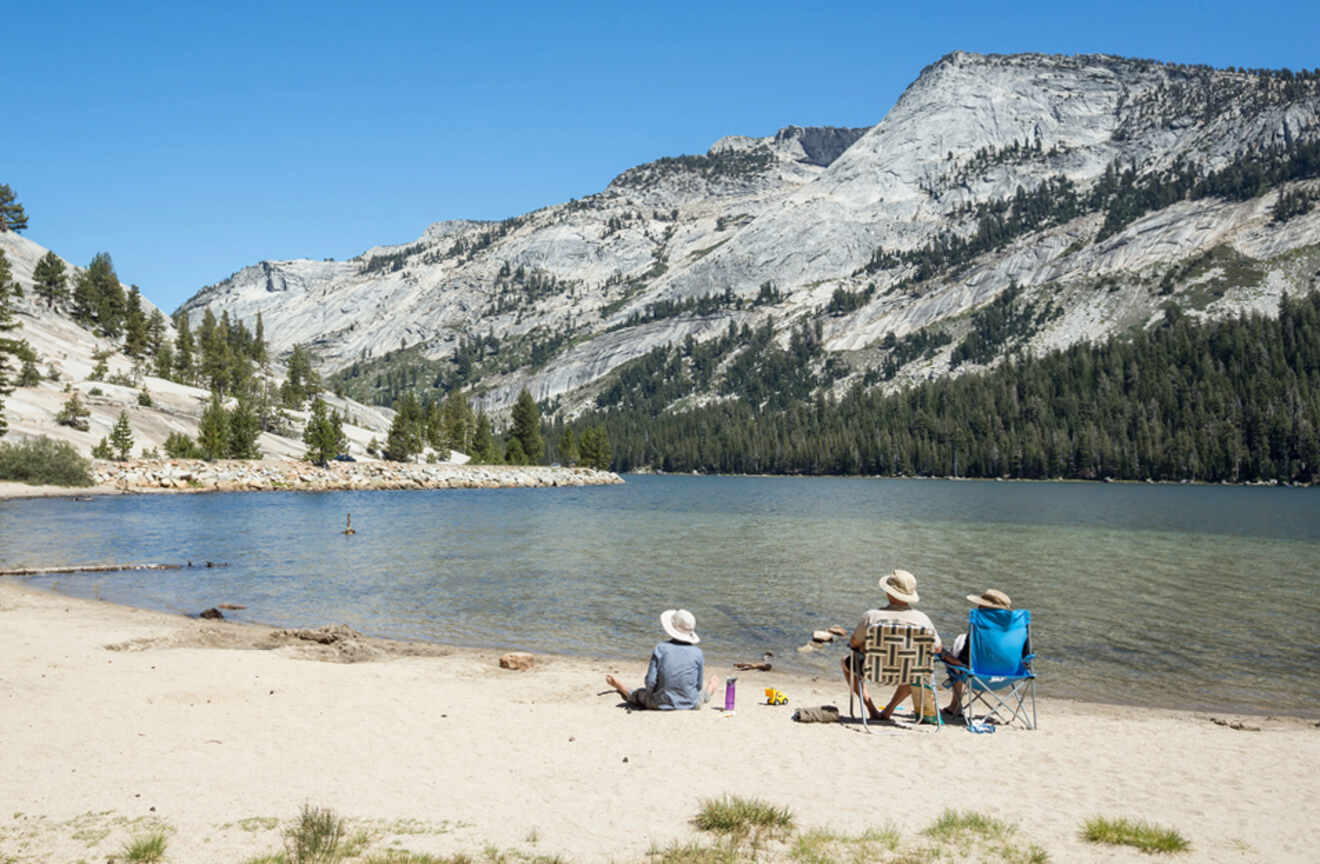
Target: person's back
{"points": [[674, 676], [677, 669]]}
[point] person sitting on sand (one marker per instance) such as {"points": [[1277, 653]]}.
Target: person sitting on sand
{"points": [[900, 587], [961, 653], [674, 676]]}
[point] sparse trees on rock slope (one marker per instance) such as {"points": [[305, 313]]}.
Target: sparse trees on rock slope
{"points": [[50, 278], [12, 216]]}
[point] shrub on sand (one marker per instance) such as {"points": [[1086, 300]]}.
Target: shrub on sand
{"points": [[145, 849], [734, 815], [315, 837], [1139, 834]]}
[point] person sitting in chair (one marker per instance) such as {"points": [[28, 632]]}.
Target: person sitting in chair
{"points": [[960, 655], [900, 588], [674, 676]]}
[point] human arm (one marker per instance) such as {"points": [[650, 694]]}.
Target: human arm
{"points": [[858, 640], [653, 670]]}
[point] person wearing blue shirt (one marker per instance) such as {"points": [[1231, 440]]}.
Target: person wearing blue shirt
{"points": [[675, 675]]}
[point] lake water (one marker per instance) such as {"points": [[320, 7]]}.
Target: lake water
{"points": [[1179, 596]]}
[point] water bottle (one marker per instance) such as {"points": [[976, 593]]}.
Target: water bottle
{"points": [[728, 693]]}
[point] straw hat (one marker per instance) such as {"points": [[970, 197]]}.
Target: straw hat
{"points": [[991, 598], [680, 624], [901, 585]]}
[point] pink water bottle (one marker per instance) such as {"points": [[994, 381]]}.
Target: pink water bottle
{"points": [[728, 693]]}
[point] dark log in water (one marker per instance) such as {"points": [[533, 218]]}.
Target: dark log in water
{"points": [[89, 568]]}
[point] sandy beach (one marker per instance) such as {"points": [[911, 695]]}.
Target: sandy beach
{"points": [[117, 720]]}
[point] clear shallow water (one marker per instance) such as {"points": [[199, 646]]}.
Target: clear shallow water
{"points": [[1188, 596]]}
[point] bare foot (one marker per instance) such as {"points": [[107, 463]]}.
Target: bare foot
{"points": [[617, 685]]}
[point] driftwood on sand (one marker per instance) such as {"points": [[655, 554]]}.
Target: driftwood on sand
{"points": [[86, 568]]}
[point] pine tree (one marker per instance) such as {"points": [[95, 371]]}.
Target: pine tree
{"points": [[12, 217], [244, 429], [513, 453], [407, 430], [135, 325], [458, 422], [527, 428], [111, 304], [51, 279], [259, 351], [483, 441], [324, 434], [184, 349], [300, 381], [568, 448], [121, 437], [215, 349], [595, 449], [156, 329], [213, 431], [74, 414]]}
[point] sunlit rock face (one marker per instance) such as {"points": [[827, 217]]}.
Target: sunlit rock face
{"points": [[805, 209]]}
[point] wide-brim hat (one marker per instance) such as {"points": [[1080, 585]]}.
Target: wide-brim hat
{"points": [[901, 585], [680, 624], [991, 598]]}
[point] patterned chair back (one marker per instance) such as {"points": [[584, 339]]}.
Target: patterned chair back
{"points": [[897, 653]]}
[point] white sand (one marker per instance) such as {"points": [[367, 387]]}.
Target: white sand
{"points": [[450, 753]]}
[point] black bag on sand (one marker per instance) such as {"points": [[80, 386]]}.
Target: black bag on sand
{"points": [[821, 714]]}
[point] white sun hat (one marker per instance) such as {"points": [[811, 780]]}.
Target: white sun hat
{"points": [[680, 624]]}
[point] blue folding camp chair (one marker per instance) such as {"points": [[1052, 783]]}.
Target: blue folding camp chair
{"points": [[998, 674], [897, 653]]}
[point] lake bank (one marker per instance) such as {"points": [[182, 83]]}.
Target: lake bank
{"points": [[121, 717], [234, 475], [1122, 580]]}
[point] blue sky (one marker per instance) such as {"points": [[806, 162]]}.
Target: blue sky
{"points": [[189, 140]]}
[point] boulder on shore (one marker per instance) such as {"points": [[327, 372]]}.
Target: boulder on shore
{"points": [[518, 660]]}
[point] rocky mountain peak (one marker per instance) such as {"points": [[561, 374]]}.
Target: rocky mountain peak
{"points": [[1055, 174]]}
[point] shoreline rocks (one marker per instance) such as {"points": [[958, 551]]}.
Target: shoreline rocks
{"points": [[194, 475]]}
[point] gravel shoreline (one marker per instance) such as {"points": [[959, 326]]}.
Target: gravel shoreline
{"points": [[195, 475]]}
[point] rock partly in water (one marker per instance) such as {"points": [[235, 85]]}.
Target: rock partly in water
{"points": [[212, 614]]}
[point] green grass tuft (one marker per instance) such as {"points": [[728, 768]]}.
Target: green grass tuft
{"points": [[693, 853], [315, 838], [145, 849], [826, 847], [961, 824], [400, 856], [734, 815], [1139, 834]]}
